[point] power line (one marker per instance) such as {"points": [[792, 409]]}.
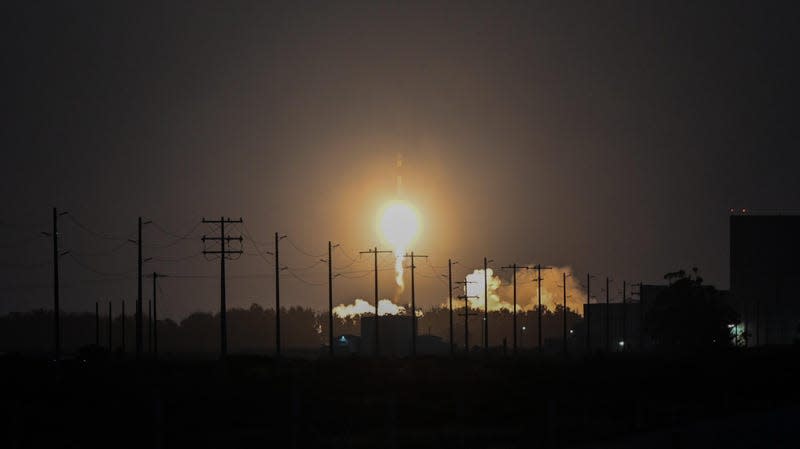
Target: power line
{"points": [[29, 266], [355, 277], [313, 284], [177, 238], [440, 277], [110, 252], [348, 256], [308, 267], [246, 232], [260, 253], [352, 262], [177, 259], [21, 243], [96, 271], [302, 251], [24, 227], [97, 234], [181, 236]]}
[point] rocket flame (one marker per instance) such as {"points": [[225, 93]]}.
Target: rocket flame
{"points": [[361, 307], [399, 225]]}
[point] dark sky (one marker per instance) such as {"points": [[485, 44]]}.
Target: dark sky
{"points": [[612, 137]]}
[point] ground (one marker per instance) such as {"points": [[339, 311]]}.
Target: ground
{"points": [[499, 402]]}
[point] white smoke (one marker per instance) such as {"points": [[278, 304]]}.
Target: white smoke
{"points": [[501, 293], [361, 307]]}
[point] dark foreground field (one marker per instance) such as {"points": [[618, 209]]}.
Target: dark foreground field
{"points": [[736, 399]]}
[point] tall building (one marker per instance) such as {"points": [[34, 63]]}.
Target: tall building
{"points": [[765, 270]]}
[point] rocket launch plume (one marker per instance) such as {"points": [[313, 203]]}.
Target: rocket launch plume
{"points": [[399, 225]]}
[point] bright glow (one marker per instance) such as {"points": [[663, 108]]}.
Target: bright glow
{"points": [[399, 224], [622, 343]]}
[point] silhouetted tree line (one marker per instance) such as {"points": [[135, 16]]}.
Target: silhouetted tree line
{"points": [[249, 331], [436, 322], [687, 315], [252, 330]]}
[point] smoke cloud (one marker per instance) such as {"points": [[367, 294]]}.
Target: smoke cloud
{"points": [[501, 292], [361, 307]]}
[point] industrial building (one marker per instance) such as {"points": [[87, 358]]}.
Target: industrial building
{"points": [[394, 338], [764, 266], [614, 327]]}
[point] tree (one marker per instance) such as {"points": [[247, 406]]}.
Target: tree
{"points": [[688, 315]]}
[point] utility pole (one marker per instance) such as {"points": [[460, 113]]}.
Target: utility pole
{"points": [[122, 319], [624, 294], [110, 328], [224, 253], [450, 264], [97, 323], [149, 327], [486, 305], [413, 304], [155, 313], [514, 267], [138, 308], [564, 281], [539, 279], [375, 253], [330, 295], [278, 270], [466, 297], [56, 304], [641, 313], [139, 294], [587, 313], [608, 317]]}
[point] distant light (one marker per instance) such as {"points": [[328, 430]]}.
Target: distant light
{"points": [[571, 331], [343, 339], [524, 328], [731, 326], [622, 343]]}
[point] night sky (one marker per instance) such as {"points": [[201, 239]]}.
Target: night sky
{"points": [[610, 137]]}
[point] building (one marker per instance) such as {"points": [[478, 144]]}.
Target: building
{"points": [[395, 338], [614, 327], [394, 335], [764, 267]]}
